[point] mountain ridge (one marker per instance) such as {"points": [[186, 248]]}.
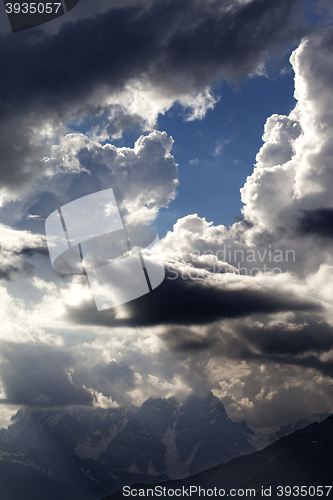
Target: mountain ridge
{"points": [[305, 458], [83, 454]]}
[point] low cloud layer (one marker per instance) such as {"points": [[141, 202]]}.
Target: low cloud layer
{"points": [[39, 376]]}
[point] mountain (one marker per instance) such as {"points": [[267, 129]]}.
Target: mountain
{"points": [[39, 459], [285, 430], [164, 437], [302, 459], [86, 454]]}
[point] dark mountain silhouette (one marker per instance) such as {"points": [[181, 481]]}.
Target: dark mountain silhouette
{"points": [[304, 458]]}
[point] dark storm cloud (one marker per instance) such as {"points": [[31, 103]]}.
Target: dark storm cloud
{"points": [[185, 302], [311, 361], [194, 39], [300, 343], [318, 222], [306, 361], [37, 375], [184, 339], [279, 339], [30, 251], [179, 46], [280, 348]]}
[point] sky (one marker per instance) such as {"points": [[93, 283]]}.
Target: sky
{"points": [[213, 121]]}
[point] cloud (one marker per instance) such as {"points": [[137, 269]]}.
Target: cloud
{"points": [[295, 158], [220, 145], [112, 380], [285, 354], [292, 339], [273, 393], [215, 38], [301, 340], [187, 340], [71, 73], [16, 248], [238, 361], [143, 178], [40, 375], [261, 340], [186, 301], [287, 199], [317, 222]]}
